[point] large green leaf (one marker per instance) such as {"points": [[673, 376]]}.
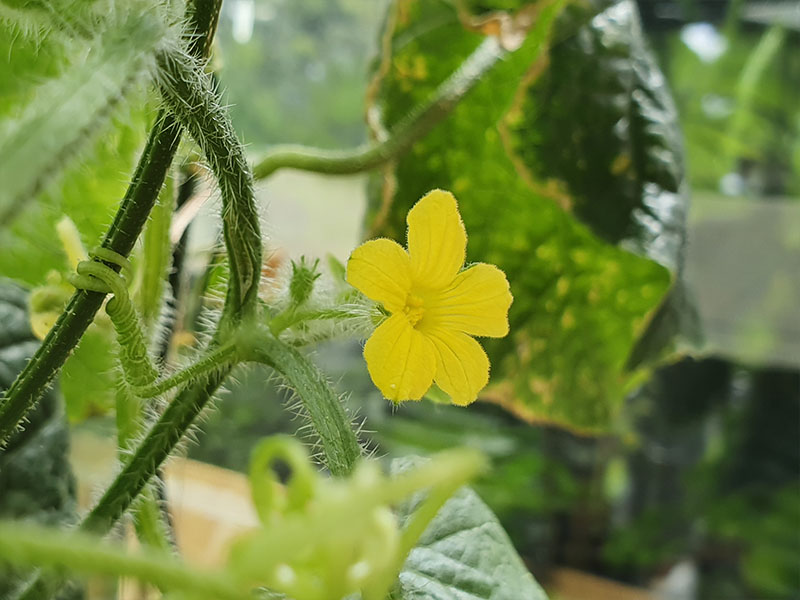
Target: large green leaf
{"points": [[464, 554], [35, 478], [567, 165]]}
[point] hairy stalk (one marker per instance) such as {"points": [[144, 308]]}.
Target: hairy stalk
{"points": [[414, 126], [189, 94], [29, 385], [35, 545], [291, 318], [153, 450], [331, 423], [215, 359]]}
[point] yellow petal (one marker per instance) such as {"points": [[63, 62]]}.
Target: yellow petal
{"points": [[400, 360], [476, 303], [462, 366], [380, 269], [437, 239]]}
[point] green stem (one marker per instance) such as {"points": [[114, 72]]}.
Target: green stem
{"points": [[34, 545], [292, 317], [339, 443], [215, 359], [151, 452], [29, 385], [150, 522], [147, 180], [189, 94], [418, 123]]}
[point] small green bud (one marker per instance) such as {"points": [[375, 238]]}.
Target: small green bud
{"points": [[304, 274]]}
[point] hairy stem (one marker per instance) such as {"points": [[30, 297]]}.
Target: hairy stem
{"points": [[215, 359], [189, 94], [30, 384], [153, 450], [339, 443], [414, 126]]}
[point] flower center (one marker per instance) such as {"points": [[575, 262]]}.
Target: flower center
{"points": [[413, 309]]}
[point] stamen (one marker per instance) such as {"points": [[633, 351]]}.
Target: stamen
{"points": [[414, 309]]}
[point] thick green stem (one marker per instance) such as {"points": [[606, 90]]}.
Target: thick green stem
{"points": [[32, 545], [339, 443], [414, 126]]}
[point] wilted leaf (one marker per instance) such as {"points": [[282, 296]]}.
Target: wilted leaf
{"points": [[574, 188]]}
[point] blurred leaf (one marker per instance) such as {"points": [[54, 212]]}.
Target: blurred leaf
{"points": [[739, 111], [567, 165], [90, 376], [64, 113], [463, 554], [35, 477], [89, 194]]}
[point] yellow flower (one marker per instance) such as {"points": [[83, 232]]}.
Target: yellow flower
{"points": [[434, 306]]}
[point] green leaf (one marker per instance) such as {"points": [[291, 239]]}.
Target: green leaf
{"points": [[568, 169], [464, 554], [35, 477], [64, 113]]}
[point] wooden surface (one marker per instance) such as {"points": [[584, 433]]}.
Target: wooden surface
{"points": [[569, 584]]}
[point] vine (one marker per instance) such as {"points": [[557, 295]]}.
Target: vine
{"points": [[416, 125]]}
